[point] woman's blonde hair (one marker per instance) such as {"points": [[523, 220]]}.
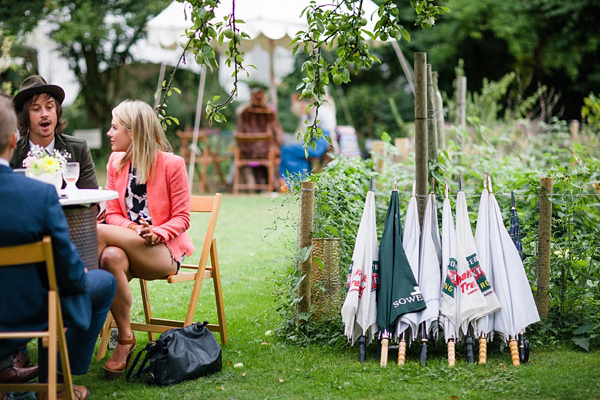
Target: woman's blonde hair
{"points": [[147, 137]]}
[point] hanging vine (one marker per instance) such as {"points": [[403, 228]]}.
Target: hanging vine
{"points": [[340, 24]]}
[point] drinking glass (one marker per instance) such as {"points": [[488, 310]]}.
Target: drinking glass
{"points": [[71, 174]]}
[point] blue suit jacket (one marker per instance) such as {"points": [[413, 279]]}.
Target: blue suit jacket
{"points": [[29, 210]]}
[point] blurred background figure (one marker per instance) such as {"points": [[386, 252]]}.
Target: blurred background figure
{"points": [[257, 117], [293, 156]]}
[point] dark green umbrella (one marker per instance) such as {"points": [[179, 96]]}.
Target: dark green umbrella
{"points": [[398, 291], [515, 229]]}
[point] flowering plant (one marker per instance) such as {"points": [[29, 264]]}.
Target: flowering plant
{"points": [[39, 161]]}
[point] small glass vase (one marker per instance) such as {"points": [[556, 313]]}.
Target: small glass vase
{"points": [[53, 178]]}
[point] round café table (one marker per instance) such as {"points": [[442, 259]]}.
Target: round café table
{"points": [[79, 207]]}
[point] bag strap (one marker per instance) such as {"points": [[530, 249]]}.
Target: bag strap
{"points": [[140, 371]]}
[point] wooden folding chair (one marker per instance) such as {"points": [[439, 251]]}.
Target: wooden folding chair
{"points": [[270, 160], [54, 336], [206, 156], [201, 204]]}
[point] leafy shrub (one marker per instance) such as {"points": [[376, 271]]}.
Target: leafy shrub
{"points": [[523, 159], [590, 112]]}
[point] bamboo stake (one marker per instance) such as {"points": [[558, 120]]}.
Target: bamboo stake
{"points": [[421, 165], [402, 145], [379, 150], [432, 139], [306, 225], [544, 238], [439, 113], [461, 102]]}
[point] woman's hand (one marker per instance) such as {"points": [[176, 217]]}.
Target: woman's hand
{"points": [[147, 233]]}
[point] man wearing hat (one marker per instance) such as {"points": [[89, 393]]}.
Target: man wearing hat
{"points": [[39, 113]]}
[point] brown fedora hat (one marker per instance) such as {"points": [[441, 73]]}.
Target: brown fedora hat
{"points": [[33, 85]]}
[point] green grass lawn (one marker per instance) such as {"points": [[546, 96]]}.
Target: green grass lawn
{"points": [[273, 368]]}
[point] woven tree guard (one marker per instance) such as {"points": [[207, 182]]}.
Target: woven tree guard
{"points": [[82, 227], [326, 294]]}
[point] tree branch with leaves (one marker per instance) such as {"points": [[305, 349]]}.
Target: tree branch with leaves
{"points": [[340, 24]]}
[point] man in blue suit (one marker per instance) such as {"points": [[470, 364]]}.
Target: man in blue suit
{"points": [[30, 210]]}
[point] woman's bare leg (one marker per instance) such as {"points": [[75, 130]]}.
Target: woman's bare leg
{"points": [[125, 254], [114, 260], [145, 261]]}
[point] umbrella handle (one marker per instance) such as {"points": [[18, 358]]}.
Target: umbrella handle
{"points": [[514, 352], [469, 347], [523, 348], [451, 353], [423, 358], [482, 349], [384, 352], [362, 351], [402, 351]]}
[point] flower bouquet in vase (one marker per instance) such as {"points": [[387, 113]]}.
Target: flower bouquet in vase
{"points": [[46, 167]]}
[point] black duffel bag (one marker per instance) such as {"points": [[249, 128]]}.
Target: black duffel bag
{"points": [[179, 354]]}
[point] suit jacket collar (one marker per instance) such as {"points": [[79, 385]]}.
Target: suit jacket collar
{"points": [[23, 145], [4, 169]]}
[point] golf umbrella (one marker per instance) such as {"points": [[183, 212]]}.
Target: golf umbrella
{"points": [[515, 229], [359, 311], [398, 292], [468, 302], [429, 274], [484, 328], [450, 332], [514, 293], [410, 242], [429, 265]]}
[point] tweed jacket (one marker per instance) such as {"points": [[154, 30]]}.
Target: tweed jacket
{"points": [[168, 200], [76, 147], [29, 210]]}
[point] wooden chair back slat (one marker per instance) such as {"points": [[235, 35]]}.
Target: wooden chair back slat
{"points": [[54, 336]]}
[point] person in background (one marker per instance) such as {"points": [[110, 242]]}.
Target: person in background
{"points": [[293, 157], [29, 210], [257, 117], [145, 231], [39, 115]]}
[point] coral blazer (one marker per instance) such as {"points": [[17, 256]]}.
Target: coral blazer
{"points": [[168, 200]]}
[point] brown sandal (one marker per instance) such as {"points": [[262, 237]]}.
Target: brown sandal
{"points": [[112, 369]]}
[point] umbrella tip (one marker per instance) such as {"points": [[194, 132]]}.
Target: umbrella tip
{"points": [[460, 183], [512, 198], [371, 184], [395, 184], [490, 183], [446, 191]]}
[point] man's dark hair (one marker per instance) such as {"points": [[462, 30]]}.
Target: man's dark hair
{"points": [[23, 115]]}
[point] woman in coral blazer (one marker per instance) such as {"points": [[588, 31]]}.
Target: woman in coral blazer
{"points": [[145, 231]]}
